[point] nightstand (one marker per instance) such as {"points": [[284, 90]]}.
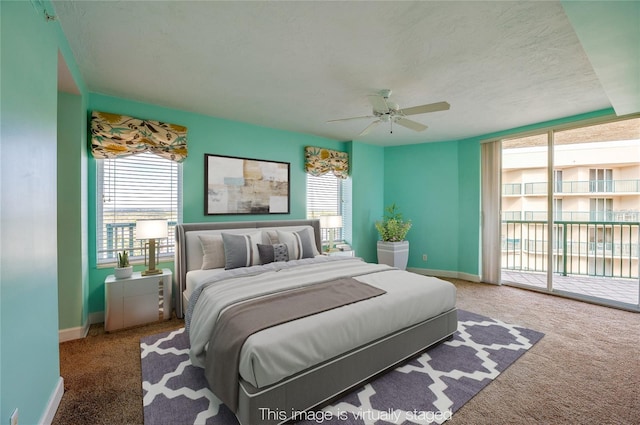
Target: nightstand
{"points": [[136, 300]]}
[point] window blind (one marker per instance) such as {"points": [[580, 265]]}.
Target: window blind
{"points": [[324, 197], [131, 188]]}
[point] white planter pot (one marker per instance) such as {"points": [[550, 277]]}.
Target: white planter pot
{"points": [[395, 254], [123, 272]]}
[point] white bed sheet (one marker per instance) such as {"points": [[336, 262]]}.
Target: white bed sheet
{"points": [[195, 278]]}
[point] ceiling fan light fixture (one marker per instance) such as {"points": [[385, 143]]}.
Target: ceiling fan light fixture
{"points": [[385, 93], [386, 111]]}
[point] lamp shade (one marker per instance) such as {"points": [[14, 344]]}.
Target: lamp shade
{"points": [[151, 229], [330, 221]]}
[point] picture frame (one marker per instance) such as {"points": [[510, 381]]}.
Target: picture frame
{"points": [[240, 186]]}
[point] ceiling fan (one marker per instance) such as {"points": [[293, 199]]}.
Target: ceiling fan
{"points": [[387, 111]]}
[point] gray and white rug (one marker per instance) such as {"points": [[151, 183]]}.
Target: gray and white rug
{"points": [[428, 389]]}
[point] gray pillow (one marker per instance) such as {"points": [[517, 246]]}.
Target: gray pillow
{"points": [[299, 243], [272, 253], [241, 250]]}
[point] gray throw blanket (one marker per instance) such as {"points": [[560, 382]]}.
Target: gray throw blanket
{"points": [[240, 321]]}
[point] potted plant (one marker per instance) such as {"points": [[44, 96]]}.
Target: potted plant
{"points": [[124, 269], [393, 249]]}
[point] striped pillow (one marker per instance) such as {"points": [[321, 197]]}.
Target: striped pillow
{"points": [[241, 250], [299, 244]]}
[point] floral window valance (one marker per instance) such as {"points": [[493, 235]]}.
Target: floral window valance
{"points": [[114, 135], [319, 161]]}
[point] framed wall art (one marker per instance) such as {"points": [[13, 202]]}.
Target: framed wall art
{"points": [[234, 185]]}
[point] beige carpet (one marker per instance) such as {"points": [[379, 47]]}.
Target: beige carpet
{"points": [[585, 370]]}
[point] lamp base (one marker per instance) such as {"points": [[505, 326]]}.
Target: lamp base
{"points": [[151, 272]]}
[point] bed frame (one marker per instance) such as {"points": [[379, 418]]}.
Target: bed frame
{"points": [[328, 380]]}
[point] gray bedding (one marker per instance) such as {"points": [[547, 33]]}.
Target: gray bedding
{"points": [[278, 352], [241, 320]]}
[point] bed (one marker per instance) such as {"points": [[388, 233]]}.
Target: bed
{"points": [[330, 322]]}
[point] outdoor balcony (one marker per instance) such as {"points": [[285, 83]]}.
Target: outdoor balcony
{"points": [[595, 260]]}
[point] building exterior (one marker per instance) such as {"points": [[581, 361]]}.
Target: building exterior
{"points": [[595, 204]]}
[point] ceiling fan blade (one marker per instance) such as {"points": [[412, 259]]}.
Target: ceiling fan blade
{"points": [[369, 128], [415, 126], [423, 109], [352, 118], [379, 103]]}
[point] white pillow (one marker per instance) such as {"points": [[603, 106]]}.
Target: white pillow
{"points": [[270, 237], [212, 251]]}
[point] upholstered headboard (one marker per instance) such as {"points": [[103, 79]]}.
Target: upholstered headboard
{"points": [[189, 252]]}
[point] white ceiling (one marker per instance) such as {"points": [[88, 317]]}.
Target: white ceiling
{"points": [[295, 65]]}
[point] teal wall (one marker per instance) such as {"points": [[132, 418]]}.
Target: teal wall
{"points": [[72, 211], [207, 135], [367, 197], [468, 207], [423, 181], [29, 359]]}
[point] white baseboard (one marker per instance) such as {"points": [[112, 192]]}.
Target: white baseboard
{"points": [[54, 402], [73, 333], [97, 317], [445, 273], [470, 277], [81, 331]]}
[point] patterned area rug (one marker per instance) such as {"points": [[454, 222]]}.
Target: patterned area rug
{"points": [[428, 389]]}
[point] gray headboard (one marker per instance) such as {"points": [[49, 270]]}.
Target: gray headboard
{"points": [[180, 266]]}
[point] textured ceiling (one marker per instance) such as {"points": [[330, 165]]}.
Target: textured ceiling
{"points": [[295, 65]]}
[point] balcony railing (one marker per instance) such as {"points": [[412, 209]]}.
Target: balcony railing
{"points": [[593, 248], [573, 187], [598, 186], [118, 237], [512, 189], [595, 216]]}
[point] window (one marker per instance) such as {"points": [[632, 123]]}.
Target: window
{"points": [[142, 186], [325, 197], [557, 209], [601, 180], [601, 209], [557, 178]]}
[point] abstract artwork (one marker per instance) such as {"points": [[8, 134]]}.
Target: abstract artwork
{"points": [[245, 186]]}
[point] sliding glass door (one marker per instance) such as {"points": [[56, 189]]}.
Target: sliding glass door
{"points": [[571, 212], [525, 218]]}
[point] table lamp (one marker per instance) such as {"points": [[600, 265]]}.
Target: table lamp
{"points": [[151, 230], [331, 222]]}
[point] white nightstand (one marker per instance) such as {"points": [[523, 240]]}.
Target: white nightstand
{"points": [[136, 300]]}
